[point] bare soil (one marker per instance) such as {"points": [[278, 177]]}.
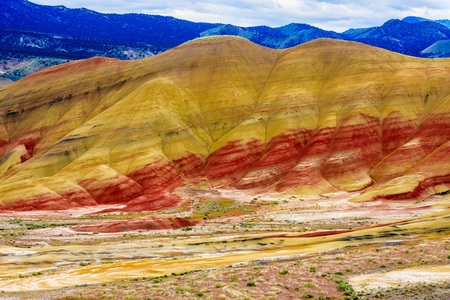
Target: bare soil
{"points": [[315, 252]]}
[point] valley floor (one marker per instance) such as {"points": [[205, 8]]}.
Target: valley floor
{"points": [[243, 247]]}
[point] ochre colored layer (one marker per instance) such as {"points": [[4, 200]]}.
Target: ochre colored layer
{"points": [[321, 117]]}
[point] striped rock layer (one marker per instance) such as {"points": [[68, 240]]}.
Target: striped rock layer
{"points": [[321, 117]]}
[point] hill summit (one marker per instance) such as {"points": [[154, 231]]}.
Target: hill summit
{"points": [[222, 112]]}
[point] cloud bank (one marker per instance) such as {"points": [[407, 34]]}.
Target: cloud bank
{"points": [[337, 15]]}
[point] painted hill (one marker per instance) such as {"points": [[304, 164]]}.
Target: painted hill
{"points": [[222, 112]]}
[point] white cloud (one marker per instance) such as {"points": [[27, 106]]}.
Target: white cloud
{"points": [[335, 15]]}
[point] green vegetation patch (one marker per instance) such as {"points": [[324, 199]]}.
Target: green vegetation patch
{"points": [[213, 208]]}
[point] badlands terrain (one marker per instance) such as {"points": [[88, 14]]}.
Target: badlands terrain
{"points": [[222, 169]]}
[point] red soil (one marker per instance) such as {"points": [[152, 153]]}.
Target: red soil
{"points": [[283, 153], [309, 175], [49, 201], [2, 207], [190, 165], [147, 203], [355, 149], [148, 223], [319, 144], [78, 195], [157, 177], [118, 189], [433, 133], [396, 131], [227, 165]]}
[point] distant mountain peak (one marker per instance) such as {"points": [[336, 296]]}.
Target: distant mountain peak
{"points": [[413, 19]]}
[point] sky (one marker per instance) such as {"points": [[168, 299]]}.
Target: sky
{"points": [[336, 15]]}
